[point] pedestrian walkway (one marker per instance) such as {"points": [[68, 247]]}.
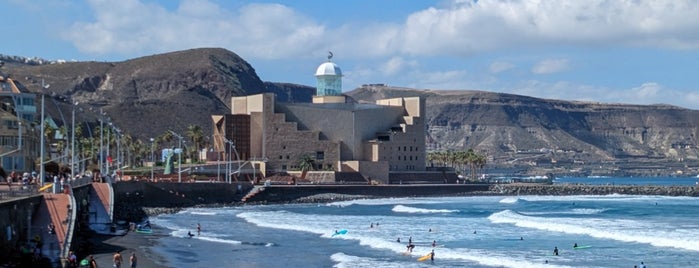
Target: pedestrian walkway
{"points": [[55, 209]]}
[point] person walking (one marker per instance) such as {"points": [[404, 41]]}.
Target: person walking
{"points": [[132, 260], [117, 260]]}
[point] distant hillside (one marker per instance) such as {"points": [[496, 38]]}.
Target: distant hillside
{"points": [[147, 96], [555, 135]]}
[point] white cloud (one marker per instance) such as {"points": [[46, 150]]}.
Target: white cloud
{"points": [[467, 27], [395, 65], [550, 66], [500, 66], [257, 30]]}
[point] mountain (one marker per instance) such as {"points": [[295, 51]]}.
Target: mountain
{"points": [[554, 135], [147, 96]]}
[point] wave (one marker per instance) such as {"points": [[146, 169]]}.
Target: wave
{"points": [[406, 209], [202, 213], [575, 211], [620, 230], [509, 200]]}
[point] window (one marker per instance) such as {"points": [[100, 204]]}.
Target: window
{"points": [[320, 155], [280, 157], [283, 167], [287, 156]]}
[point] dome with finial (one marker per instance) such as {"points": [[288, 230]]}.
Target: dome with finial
{"points": [[328, 67]]}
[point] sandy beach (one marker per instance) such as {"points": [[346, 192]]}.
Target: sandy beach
{"points": [[104, 247]]}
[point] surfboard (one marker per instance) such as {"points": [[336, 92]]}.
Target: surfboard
{"points": [[582, 247], [45, 187], [340, 232], [426, 257], [144, 231]]}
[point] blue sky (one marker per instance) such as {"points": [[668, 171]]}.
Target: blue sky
{"points": [[634, 51]]}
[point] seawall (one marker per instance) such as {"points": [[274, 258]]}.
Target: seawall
{"points": [[584, 189]]}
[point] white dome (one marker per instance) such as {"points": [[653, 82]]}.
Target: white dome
{"points": [[328, 68]]}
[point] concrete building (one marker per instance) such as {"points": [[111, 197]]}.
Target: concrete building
{"points": [[18, 138], [333, 132]]}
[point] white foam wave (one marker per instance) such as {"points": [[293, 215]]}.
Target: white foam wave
{"points": [[575, 211], [509, 200], [202, 213], [620, 230], [406, 209]]}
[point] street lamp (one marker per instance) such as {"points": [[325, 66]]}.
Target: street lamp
{"points": [[179, 157], [72, 144], [41, 161], [107, 160], [152, 159]]}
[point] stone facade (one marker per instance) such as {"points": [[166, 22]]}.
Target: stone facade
{"points": [[372, 139]]}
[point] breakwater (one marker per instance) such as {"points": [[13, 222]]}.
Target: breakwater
{"points": [[584, 189]]}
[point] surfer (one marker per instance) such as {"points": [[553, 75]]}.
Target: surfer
{"points": [[432, 255], [474, 232], [434, 243], [189, 233], [410, 247], [642, 265], [410, 240], [555, 251], [372, 225], [521, 238], [198, 229], [576, 245], [398, 240]]}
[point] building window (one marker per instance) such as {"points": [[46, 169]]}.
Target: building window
{"points": [[280, 157], [284, 147], [283, 167], [287, 156], [320, 155], [405, 148]]}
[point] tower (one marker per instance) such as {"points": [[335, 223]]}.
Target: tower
{"points": [[329, 78]]}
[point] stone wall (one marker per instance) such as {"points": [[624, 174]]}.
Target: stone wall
{"points": [[16, 214], [581, 189]]}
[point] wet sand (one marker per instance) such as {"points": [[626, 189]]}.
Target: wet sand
{"points": [[104, 247]]}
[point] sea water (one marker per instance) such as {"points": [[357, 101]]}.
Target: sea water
{"points": [[473, 231]]}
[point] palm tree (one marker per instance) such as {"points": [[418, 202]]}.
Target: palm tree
{"points": [[306, 164], [195, 135]]}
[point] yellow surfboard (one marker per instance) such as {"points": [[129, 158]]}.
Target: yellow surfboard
{"points": [[426, 257], [45, 187]]}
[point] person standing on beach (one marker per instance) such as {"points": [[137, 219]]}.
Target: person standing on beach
{"points": [[93, 263], [117, 260], [133, 260]]}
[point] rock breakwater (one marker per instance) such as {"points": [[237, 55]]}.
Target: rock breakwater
{"points": [[585, 189]]}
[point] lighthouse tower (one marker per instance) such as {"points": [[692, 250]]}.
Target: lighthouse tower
{"points": [[328, 83]]}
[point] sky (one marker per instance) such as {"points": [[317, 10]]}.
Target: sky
{"points": [[609, 51]]}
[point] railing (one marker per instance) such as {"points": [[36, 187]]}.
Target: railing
{"points": [[71, 227]]}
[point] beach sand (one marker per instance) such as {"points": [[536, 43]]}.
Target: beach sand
{"points": [[104, 247]]}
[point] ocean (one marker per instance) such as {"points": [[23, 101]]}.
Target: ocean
{"points": [[469, 231]]}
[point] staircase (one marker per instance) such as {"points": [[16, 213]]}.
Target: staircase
{"points": [[254, 191]]}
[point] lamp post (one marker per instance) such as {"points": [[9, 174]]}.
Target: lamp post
{"points": [[107, 162], [41, 160], [101, 152], [72, 144], [152, 159], [179, 157]]}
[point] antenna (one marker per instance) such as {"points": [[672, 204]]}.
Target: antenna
{"points": [[330, 55]]}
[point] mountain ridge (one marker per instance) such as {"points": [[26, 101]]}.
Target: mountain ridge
{"points": [[150, 95]]}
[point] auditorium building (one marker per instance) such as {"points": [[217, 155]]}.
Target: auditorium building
{"points": [[379, 142]]}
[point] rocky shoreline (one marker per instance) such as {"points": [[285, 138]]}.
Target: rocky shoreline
{"points": [[586, 189]]}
